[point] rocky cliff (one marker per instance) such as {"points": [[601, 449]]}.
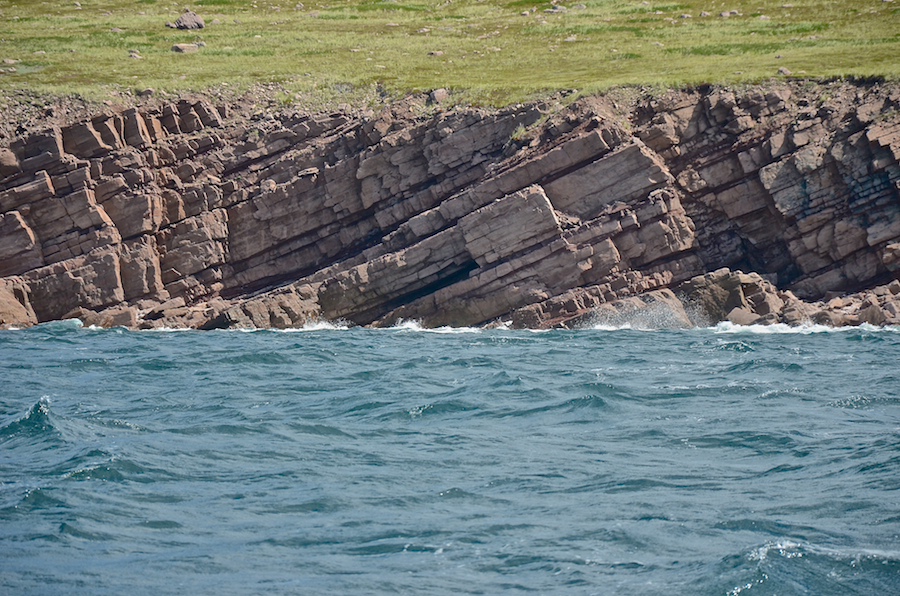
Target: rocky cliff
{"points": [[191, 214]]}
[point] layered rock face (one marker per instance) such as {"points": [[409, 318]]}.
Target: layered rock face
{"points": [[186, 215]]}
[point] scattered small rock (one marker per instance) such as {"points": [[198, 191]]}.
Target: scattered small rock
{"points": [[188, 20], [184, 48], [116, 30], [684, 16], [148, 92], [570, 38], [438, 95], [784, 71]]}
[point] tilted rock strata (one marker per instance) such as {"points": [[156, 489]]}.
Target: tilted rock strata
{"points": [[186, 215]]}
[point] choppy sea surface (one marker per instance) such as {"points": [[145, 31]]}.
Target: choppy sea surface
{"points": [[716, 461]]}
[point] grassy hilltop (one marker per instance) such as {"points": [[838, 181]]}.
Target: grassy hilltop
{"points": [[489, 51]]}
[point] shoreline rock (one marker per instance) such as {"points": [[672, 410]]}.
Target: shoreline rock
{"points": [[185, 214]]}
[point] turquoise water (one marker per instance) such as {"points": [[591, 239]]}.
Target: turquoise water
{"points": [[354, 461]]}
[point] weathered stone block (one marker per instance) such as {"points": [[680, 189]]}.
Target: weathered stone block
{"points": [[626, 174], [83, 140], [91, 281], [38, 189], [135, 213], [19, 250], [509, 225]]}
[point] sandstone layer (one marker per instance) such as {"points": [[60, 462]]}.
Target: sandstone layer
{"points": [[188, 214]]}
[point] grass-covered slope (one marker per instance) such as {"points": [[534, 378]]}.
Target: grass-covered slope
{"points": [[489, 51]]}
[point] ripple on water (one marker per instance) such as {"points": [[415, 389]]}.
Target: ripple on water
{"points": [[496, 461]]}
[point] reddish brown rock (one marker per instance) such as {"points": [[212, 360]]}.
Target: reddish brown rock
{"points": [[451, 218], [19, 251], [15, 308]]}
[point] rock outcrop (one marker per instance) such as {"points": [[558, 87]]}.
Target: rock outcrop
{"points": [[188, 214]]}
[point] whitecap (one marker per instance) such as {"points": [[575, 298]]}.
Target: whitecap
{"points": [[803, 329], [416, 326], [776, 329], [790, 549], [628, 327], [318, 325]]}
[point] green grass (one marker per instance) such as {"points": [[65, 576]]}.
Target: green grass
{"points": [[486, 51]]}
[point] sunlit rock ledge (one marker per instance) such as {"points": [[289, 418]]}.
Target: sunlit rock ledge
{"points": [[190, 214]]}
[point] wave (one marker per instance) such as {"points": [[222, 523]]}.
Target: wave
{"points": [[43, 426], [416, 326], [171, 330], [62, 325], [805, 329], [815, 568], [337, 325], [37, 421], [317, 325], [411, 325], [790, 549], [626, 327]]}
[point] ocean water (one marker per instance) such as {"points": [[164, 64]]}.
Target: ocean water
{"points": [[716, 461]]}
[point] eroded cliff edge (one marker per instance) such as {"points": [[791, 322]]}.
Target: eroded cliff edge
{"points": [[188, 215]]}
